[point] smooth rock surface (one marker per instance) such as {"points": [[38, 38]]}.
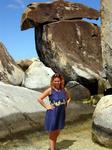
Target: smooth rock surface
{"points": [[10, 72], [77, 91], [37, 76], [106, 37], [102, 122], [19, 110]]}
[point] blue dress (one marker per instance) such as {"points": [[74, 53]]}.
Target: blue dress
{"points": [[55, 118]]}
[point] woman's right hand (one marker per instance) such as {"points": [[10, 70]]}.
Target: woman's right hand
{"points": [[50, 106]]}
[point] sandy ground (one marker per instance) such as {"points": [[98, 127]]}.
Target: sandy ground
{"points": [[74, 137]]}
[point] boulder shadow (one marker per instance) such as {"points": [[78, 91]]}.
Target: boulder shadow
{"points": [[65, 144]]}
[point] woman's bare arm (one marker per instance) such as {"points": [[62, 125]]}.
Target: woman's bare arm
{"points": [[68, 100], [68, 97], [43, 96]]}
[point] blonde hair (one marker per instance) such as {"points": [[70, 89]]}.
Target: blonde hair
{"points": [[57, 75]]}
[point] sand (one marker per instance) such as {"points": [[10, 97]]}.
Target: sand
{"points": [[76, 136]]}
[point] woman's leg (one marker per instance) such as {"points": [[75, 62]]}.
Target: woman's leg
{"points": [[53, 138]]}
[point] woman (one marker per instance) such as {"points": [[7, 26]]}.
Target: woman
{"points": [[55, 114]]}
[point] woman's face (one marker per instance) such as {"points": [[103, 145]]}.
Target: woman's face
{"points": [[57, 82]]}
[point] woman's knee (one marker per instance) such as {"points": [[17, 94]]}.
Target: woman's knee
{"points": [[53, 135]]}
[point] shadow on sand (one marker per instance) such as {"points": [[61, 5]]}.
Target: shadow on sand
{"points": [[65, 144]]}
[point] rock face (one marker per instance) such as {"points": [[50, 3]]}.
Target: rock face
{"points": [[24, 64], [37, 76], [64, 42], [77, 91], [71, 42], [19, 110], [78, 44], [41, 13], [73, 49], [106, 37], [102, 122], [9, 71]]}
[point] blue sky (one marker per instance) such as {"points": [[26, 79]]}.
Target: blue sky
{"points": [[21, 44]]}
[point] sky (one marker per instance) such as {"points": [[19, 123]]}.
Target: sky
{"points": [[21, 44]]}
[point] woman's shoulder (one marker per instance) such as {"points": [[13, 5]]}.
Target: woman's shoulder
{"points": [[48, 90], [64, 89]]}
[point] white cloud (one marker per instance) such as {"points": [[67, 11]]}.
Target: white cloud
{"points": [[20, 2], [16, 4], [12, 6]]}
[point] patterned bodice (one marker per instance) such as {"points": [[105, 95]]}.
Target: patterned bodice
{"points": [[57, 95]]}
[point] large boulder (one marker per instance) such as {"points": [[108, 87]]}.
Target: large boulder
{"points": [[77, 91], [37, 76], [66, 43], [41, 13], [102, 122], [106, 37], [24, 64], [10, 72], [73, 49], [20, 111]]}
